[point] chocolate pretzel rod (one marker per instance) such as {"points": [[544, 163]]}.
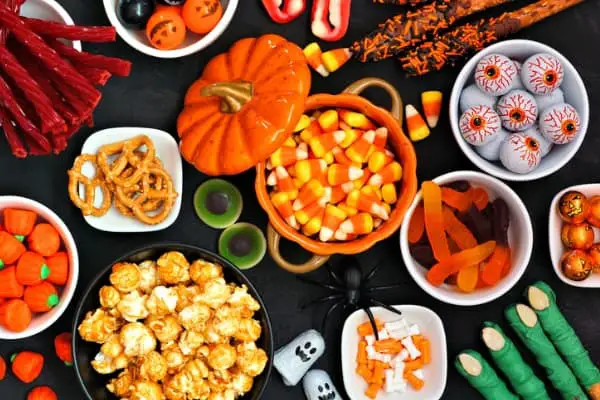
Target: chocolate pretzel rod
{"points": [[408, 29], [401, 2], [451, 47]]}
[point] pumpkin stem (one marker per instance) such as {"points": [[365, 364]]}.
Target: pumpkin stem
{"points": [[234, 95]]}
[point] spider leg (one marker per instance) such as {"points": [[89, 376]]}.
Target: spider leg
{"points": [[371, 274], [327, 314], [336, 278], [389, 308], [384, 287], [323, 299], [320, 284], [372, 320]]}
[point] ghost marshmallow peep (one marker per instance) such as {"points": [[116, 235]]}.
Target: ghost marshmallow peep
{"points": [[318, 386], [293, 360]]}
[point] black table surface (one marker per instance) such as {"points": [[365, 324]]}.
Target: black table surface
{"points": [[152, 97]]}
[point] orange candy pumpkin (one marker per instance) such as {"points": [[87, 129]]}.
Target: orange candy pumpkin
{"points": [[201, 16], [165, 29], [244, 106], [42, 393], [62, 347], [27, 365]]}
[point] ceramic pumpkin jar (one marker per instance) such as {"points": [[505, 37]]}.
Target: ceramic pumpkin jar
{"points": [[244, 106], [401, 146]]}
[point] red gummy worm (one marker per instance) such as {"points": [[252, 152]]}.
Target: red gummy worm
{"points": [[47, 55], [12, 137], [97, 34], [115, 66], [50, 120], [97, 76]]}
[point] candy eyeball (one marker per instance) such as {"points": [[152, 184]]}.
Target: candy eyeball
{"points": [[545, 102], [518, 83], [491, 151], [545, 145], [517, 110], [495, 74], [472, 96], [542, 74], [520, 154], [560, 123], [479, 125]]}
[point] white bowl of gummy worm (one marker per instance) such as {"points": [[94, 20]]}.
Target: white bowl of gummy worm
{"points": [[467, 238], [519, 110]]}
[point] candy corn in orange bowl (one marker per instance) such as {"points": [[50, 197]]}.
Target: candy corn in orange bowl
{"points": [[343, 181]]}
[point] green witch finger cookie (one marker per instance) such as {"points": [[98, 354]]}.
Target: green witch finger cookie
{"points": [[482, 376], [543, 301], [524, 322], [509, 360]]}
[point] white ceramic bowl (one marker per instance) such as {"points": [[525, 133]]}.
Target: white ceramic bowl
{"points": [[49, 10], [557, 248], [193, 42], [41, 322], [575, 94], [167, 152], [430, 326], [520, 238]]}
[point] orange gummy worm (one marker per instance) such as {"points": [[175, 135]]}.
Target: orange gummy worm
{"points": [[467, 278], [417, 225], [456, 199], [457, 231], [442, 270], [434, 221], [492, 270], [479, 197]]}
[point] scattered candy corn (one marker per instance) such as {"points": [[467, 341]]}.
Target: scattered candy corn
{"points": [[336, 178], [417, 128], [313, 55], [432, 106], [335, 59]]}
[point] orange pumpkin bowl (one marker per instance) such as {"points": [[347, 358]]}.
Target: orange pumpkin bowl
{"points": [[400, 145]]}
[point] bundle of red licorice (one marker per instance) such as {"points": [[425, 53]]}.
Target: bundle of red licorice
{"points": [[48, 90]]}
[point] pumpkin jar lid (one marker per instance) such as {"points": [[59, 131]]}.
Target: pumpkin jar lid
{"points": [[244, 106]]}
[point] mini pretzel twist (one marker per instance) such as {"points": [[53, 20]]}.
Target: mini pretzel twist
{"points": [[128, 155], [76, 177]]}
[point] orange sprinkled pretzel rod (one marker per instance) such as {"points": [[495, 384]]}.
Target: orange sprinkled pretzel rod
{"points": [[407, 29], [449, 48]]}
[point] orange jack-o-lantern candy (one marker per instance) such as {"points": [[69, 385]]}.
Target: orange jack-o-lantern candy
{"points": [[594, 215], [580, 236], [165, 29], [201, 16], [576, 265], [573, 207]]}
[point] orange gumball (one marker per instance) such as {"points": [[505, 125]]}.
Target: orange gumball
{"points": [[594, 215], [580, 236], [201, 16], [576, 265], [573, 207], [165, 29], [594, 255]]}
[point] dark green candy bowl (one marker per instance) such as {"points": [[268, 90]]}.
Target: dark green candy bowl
{"points": [[94, 384]]}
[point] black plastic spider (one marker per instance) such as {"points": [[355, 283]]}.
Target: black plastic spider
{"points": [[351, 290]]}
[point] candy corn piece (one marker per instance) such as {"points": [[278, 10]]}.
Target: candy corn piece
{"points": [[343, 236], [329, 121], [290, 142], [329, 158], [340, 157], [272, 179], [359, 183], [377, 222], [309, 169], [313, 55], [285, 183], [337, 194], [381, 135], [326, 198], [359, 224], [302, 124], [284, 156], [372, 191], [350, 211], [323, 144], [313, 129], [269, 165], [432, 106], [283, 205], [309, 193], [304, 215], [356, 120], [389, 194], [331, 222], [389, 174], [417, 128], [367, 203], [313, 226], [340, 173], [359, 150], [379, 159], [335, 59]]}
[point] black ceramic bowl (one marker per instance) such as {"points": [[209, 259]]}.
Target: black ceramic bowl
{"points": [[94, 384]]}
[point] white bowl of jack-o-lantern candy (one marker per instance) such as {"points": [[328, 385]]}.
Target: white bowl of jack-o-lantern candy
{"points": [[519, 110]]}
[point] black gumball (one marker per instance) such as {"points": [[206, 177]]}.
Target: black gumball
{"points": [[172, 2], [135, 13]]}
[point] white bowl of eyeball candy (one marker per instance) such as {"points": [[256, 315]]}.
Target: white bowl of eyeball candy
{"points": [[519, 110]]}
